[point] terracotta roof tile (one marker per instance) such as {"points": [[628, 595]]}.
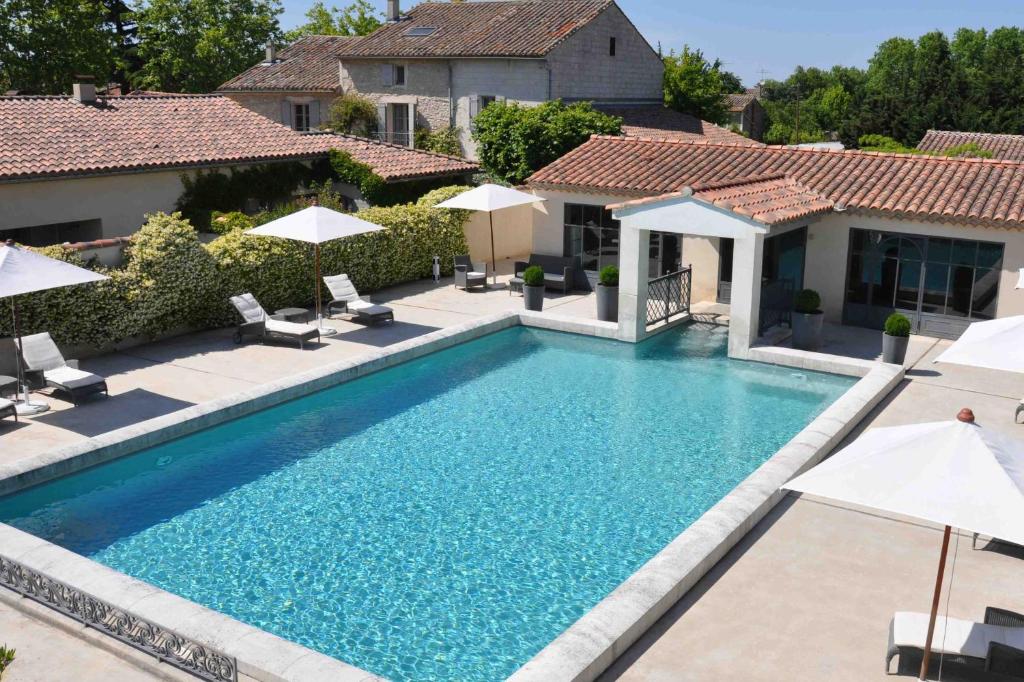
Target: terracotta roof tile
{"points": [[522, 28], [307, 65], [968, 191], [58, 136], [658, 122], [770, 199], [1003, 147]]}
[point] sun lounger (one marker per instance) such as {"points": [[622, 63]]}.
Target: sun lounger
{"points": [[256, 322], [7, 409], [345, 299], [992, 650], [47, 367], [469, 274]]}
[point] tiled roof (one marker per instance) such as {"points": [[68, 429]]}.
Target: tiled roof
{"points": [[1004, 147], [658, 122], [58, 136], [521, 28], [971, 191], [739, 102], [308, 65], [771, 199]]}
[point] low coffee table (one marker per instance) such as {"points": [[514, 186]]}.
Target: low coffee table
{"points": [[8, 385], [515, 284], [293, 314]]}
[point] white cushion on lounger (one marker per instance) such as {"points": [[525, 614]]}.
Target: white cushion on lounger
{"points": [[291, 328], [4, 403], [70, 377], [249, 308], [952, 635]]}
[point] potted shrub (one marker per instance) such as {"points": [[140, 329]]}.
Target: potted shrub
{"points": [[608, 294], [533, 287], [807, 320], [895, 339]]}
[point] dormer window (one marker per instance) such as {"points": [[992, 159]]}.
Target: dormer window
{"points": [[420, 31]]}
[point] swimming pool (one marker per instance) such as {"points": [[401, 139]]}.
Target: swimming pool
{"points": [[446, 518]]}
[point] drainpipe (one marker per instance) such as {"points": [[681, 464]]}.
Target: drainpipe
{"points": [[548, 67], [451, 101]]}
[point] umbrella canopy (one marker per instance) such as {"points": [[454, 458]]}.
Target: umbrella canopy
{"points": [[995, 344], [315, 225], [490, 198], [23, 271], [952, 473]]}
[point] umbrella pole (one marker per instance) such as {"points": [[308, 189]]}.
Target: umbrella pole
{"points": [[316, 283], [935, 603], [494, 265]]}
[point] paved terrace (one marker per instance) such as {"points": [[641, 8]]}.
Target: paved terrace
{"points": [[807, 595]]}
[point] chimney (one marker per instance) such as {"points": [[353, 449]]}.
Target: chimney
{"points": [[394, 11], [84, 90], [271, 53]]}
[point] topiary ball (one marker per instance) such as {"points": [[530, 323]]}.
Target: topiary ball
{"points": [[807, 301], [897, 325], [533, 276], [609, 276]]}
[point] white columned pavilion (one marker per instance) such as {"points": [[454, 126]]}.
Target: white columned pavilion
{"points": [[682, 214]]}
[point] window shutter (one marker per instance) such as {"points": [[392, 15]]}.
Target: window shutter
{"points": [[412, 124], [474, 106], [314, 115], [387, 74], [286, 113], [382, 119]]}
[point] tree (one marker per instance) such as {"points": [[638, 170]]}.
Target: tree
{"points": [[119, 18], [695, 86], [353, 115], [515, 140], [195, 45], [357, 19], [45, 43]]}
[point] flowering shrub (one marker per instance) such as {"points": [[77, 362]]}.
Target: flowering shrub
{"points": [[170, 280]]}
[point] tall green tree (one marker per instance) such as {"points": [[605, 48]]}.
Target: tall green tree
{"points": [[45, 43], [694, 85], [357, 19], [195, 45]]}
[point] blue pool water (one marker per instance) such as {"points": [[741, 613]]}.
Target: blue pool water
{"points": [[446, 518]]}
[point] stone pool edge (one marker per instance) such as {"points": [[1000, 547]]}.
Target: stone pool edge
{"points": [[591, 644]]}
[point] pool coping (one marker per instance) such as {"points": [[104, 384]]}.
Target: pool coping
{"points": [[579, 653], [591, 644]]}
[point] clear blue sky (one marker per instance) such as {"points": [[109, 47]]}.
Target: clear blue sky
{"points": [[776, 36]]}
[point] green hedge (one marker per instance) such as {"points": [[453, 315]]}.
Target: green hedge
{"points": [[170, 280]]}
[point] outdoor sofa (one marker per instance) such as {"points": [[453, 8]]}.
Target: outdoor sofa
{"points": [[558, 270], [8, 409], [992, 650], [345, 299], [469, 274], [45, 366], [256, 322]]}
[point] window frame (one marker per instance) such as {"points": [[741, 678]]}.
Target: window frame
{"points": [[611, 46], [303, 107], [397, 69]]}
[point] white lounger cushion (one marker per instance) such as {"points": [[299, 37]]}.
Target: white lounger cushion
{"points": [[71, 378], [4, 403], [952, 635], [249, 308], [290, 328]]}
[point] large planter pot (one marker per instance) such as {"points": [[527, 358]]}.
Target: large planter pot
{"points": [[894, 348], [607, 303], [807, 330], [533, 297]]}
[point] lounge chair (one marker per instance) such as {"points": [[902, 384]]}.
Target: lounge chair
{"points": [[345, 299], [45, 366], [469, 274], [8, 409], [992, 650], [256, 322]]}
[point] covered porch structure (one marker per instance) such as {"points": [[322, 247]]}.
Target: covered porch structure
{"points": [[765, 219]]}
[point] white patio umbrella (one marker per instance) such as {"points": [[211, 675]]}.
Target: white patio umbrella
{"points": [[23, 272], [316, 225], [490, 198], [952, 473], [995, 344]]}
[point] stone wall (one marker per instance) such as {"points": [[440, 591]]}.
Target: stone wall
{"points": [[426, 87], [582, 68], [270, 104]]}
